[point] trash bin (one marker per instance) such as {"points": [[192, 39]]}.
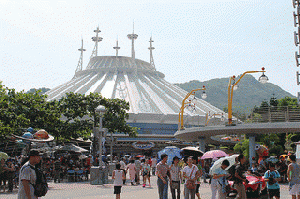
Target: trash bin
{"points": [[111, 168], [95, 175]]}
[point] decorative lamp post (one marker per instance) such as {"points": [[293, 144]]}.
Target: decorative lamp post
{"points": [[100, 131], [190, 104], [233, 86], [209, 117]]}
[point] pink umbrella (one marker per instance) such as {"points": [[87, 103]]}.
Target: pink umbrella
{"points": [[214, 154]]}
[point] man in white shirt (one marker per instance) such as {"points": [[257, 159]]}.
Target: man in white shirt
{"points": [[28, 176], [123, 167]]}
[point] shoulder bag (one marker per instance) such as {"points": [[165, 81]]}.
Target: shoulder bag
{"points": [[190, 184]]}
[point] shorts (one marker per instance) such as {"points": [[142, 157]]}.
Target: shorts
{"points": [[117, 189], [295, 190], [197, 188], [274, 192]]}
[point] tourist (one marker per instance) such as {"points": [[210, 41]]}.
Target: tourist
{"points": [[10, 173], [190, 173], [219, 181], [175, 178], [283, 169], [132, 171], [138, 169], [239, 177], [162, 177], [153, 165], [195, 162], [272, 177], [27, 176], [146, 172], [56, 171], [293, 177], [123, 168], [3, 168], [118, 176]]}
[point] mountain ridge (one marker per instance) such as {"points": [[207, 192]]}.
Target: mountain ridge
{"points": [[250, 92]]}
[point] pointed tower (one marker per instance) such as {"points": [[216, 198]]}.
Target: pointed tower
{"points": [[80, 62], [151, 56], [132, 37], [96, 40], [117, 48]]}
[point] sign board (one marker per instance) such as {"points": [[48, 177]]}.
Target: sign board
{"points": [[143, 145]]}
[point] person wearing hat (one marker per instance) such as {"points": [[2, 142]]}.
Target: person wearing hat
{"points": [[10, 170], [27, 176]]}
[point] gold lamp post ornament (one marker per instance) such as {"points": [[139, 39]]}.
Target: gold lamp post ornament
{"points": [[190, 104], [208, 117], [233, 86]]}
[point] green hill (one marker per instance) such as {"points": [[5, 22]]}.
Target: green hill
{"points": [[250, 92]]}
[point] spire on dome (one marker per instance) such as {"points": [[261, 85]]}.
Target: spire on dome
{"points": [[96, 40], [151, 56], [117, 48], [80, 62], [132, 37]]}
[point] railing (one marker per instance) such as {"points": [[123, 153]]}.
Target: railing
{"points": [[275, 114]]}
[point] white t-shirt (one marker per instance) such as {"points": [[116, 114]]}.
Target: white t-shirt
{"points": [[187, 170], [154, 162], [26, 173], [118, 177]]}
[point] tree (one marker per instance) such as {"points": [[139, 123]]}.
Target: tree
{"points": [[76, 107], [242, 147]]}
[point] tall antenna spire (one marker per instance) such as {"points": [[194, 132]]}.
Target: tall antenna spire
{"points": [[96, 40], [80, 62], [132, 37], [151, 56], [117, 48]]}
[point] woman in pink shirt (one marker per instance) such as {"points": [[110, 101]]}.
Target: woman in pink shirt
{"points": [[132, 170]]}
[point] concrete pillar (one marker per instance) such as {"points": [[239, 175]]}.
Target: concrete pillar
{"points": [[202, 144], [251, 148]]}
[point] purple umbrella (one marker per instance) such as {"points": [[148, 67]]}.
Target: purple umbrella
{"points": [[214, 154]]}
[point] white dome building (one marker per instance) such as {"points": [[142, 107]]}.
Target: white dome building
{"points": [[154, 102]]}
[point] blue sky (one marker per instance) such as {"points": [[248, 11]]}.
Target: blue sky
{"points": [[193, 40]]}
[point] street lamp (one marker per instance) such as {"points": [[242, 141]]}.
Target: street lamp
{"points": [[190, 104], [233, 86], [209, 117], [100, 131]]}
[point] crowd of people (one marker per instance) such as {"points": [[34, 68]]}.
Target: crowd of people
{"points": [[138, 170], [189, 170]]}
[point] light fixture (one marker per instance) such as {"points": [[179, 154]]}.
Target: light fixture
{"points": [[204, 95], [235, 87], [222, 118], [263, 78]]}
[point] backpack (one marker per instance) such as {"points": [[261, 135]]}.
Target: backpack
{"points": [[41, 185]]}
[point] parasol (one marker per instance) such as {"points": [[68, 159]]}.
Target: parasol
{"points": [[218, 163], [72, 147], [171, 151], [214, 154], [192, 151]]}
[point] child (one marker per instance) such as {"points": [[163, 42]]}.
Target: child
{"points": [[146, 172], [118, 176]]}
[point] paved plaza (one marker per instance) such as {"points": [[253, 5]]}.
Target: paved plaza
{"points": [[84, 190]]}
